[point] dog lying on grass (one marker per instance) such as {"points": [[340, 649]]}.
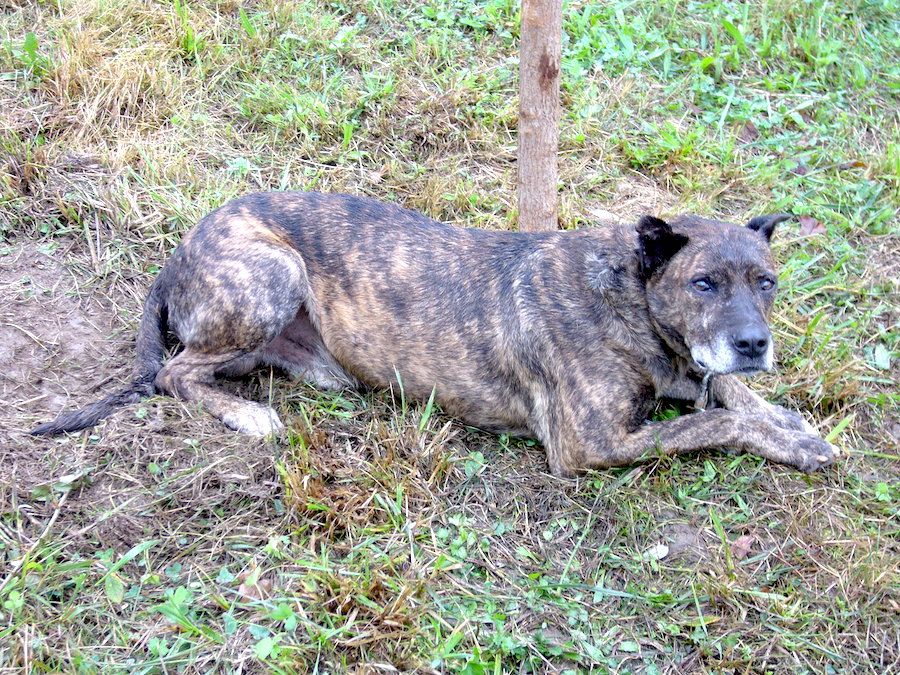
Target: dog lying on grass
{"points": [[564, 336]]}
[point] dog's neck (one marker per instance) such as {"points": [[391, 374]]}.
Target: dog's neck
{"points": [[673, 344]]}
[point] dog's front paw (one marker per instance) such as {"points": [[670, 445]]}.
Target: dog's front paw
{"points": [[254, 419], [809, 452], [790, 419]]}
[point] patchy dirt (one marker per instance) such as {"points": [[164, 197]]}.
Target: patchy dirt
{"points": [[55, 340], [62, 344], [685, 541]]}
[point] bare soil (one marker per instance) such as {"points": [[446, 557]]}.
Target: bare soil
{"points": [[147, 470]]}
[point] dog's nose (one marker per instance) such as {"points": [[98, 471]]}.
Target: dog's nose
{"points": [[751, 341]]}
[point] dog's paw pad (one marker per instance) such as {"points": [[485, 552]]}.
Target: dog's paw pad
{"points": [[255, 420]]}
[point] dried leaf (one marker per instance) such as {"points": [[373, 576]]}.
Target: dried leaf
{"points": [[740, 547], [657, 552], [809, 226], [259, 591], [252, 587], [748, 133], [800, 170]]}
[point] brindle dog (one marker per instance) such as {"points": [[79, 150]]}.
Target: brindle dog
{"points": [[565, 336]]}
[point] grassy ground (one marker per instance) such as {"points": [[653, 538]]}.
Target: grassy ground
{"points": [[376, 535]]}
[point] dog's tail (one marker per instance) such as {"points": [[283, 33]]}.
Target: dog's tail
{"points": [[151, 347]]}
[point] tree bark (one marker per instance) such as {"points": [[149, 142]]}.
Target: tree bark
{"points": [[539, 61]]}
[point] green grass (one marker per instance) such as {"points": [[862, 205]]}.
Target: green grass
{"points": [[385, 534]]}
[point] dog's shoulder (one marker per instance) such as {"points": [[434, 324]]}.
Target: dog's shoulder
{"points": [[608, 257]]}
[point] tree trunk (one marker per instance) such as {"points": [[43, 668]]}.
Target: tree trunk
{"points": [[539, 60]]}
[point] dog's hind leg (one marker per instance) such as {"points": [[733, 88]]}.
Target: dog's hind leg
{"points": [[239, 366], [190, 376], [229, 299], [300, 352]]}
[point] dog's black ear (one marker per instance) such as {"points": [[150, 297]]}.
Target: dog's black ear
{"points": [[657, 243], [765, 225]]}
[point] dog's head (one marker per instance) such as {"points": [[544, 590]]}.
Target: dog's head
{"points": [[710, 287]]}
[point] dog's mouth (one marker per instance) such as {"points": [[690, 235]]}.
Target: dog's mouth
{"points": [[742, 369], [749, 370]]}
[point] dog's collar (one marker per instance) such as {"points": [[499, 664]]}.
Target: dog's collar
{"points": [[703, 398]]}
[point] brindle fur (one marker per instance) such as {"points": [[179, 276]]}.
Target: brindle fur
{"points": [[565, 336]]}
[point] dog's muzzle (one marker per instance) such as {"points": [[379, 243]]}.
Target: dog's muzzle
{"points": [[723, 356]]}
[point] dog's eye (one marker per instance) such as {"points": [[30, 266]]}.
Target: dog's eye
{"points": [[703, 284], [766, 283]]}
